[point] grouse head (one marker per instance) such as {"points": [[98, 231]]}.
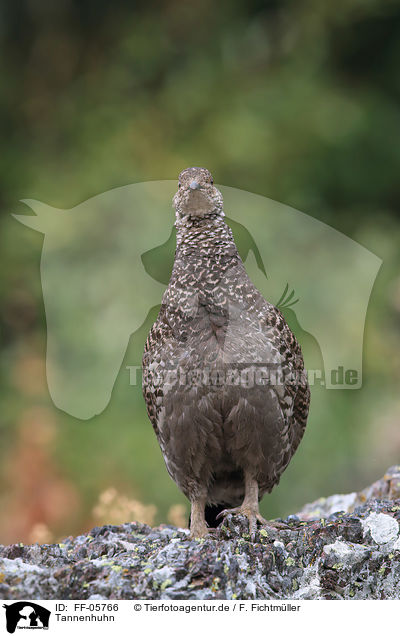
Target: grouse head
{"points": [[197, 196]]}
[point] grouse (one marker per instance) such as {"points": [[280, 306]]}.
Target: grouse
{"points": [[223, 375]]}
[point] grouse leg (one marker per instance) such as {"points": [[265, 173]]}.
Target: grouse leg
{"points": [[250, 509], [198, 526]]}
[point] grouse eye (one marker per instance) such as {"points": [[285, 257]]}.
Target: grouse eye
{"points": [[212, 181]]}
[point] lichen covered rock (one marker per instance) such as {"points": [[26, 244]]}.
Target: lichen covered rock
{"points": [[352, 555]]}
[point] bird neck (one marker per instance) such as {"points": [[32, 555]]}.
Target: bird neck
{"points": [[205, 236]]}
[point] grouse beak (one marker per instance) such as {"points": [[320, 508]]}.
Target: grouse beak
{"points": [[194, 185]]}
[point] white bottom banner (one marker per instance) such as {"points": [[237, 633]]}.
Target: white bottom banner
{"points": [[109, 617]]}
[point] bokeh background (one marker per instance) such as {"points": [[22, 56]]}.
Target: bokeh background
{"points": [[294, 100]]}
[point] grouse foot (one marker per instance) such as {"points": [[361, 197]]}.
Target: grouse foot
{"points": [[198, 526], [249, 509], [253, 515], [198, 530]]}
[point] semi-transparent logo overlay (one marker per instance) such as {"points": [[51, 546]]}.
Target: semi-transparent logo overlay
{"points": [[106, 263]]}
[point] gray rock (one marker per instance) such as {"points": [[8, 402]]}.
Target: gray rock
{"points": [[388, 487], [348, 555], [383, 529]]}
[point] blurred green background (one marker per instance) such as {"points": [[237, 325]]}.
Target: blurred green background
{"points": [[294, 100]]}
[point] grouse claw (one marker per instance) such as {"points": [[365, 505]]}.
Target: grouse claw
{"points": [[253, 516]]}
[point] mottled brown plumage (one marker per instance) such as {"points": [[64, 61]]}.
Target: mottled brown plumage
{"points": [[223, 375]]}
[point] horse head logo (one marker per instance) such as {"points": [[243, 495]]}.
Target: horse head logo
{"points": [[105, 264]]}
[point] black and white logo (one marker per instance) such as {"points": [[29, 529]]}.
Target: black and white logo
{"points": [[26, 615]]}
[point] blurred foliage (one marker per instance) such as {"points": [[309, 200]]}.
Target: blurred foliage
{"points": [[294, 100]]}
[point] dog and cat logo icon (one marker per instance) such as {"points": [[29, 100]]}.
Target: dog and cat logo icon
{"points": [[26, 615]]}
